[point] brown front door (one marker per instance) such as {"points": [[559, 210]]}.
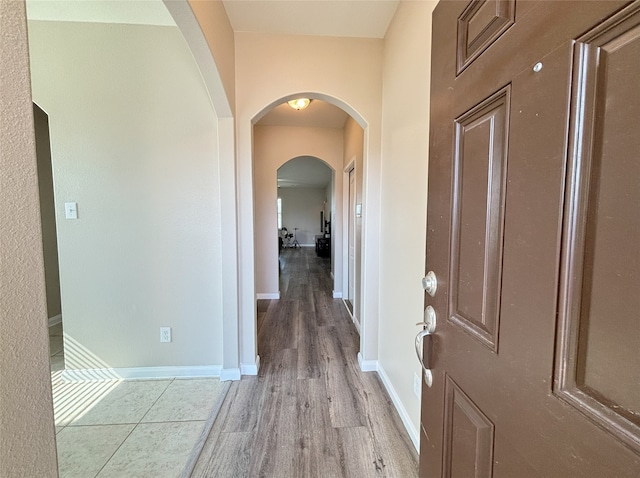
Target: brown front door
{"points": [[533, 233]]}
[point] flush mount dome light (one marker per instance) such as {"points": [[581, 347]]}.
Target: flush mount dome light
{"points": [[299, 104]]}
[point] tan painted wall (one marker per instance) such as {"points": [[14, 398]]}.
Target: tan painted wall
{"points": [[133, 138], [404, 194], [47, 212], [27, 439], [345, 71], [274, 146], [218, 33]]}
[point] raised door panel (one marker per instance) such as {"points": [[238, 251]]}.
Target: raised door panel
{"points": [[479, 169], [480, 25], [598, 366], [468, 436]]}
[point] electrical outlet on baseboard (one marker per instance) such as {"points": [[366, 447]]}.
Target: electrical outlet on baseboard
{"points": [[417, 384], [165, 334]]}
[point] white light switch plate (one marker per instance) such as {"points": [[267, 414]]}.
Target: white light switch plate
{"points": [[71, 210]]}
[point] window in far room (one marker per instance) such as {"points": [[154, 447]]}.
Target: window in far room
{"points": [[279, 213]]}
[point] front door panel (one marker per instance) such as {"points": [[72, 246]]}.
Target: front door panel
{"points": [[597, 369], [468, 436], [534, 234], [479, 174]]}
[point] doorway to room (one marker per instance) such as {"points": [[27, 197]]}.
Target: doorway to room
{"points": [[305, 204], [350, 299]]}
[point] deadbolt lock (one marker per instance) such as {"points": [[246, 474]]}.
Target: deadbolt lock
{"points": [[430, 283]]}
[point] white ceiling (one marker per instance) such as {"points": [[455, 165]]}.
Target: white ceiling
{"points": [[135, 12], [304, 172], [340, 18]]}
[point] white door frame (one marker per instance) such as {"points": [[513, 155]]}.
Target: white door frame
{"points": [[346, 214]]}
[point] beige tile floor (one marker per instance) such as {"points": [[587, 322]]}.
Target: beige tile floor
{"points": [[133, 428]]}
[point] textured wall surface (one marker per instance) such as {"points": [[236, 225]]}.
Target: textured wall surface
{"points": [[133, 142], [405, 140], [27, 439], [215, 25]]}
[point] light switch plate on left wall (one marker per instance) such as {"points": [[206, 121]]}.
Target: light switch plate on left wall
{"points": [[71, 210]]}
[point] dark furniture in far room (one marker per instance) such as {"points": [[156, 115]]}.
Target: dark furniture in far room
{"points": [[323, 246]]}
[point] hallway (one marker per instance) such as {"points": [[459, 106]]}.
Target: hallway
{"points": [[311, 411]]}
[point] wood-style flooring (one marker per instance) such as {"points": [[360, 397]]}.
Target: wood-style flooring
{"points": [[310, 412]]}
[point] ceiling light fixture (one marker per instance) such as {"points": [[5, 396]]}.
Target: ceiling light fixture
{"points": [[299, 104]]}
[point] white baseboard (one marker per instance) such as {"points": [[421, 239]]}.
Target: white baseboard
{"points": [[55, 320], [354, 319], [337, 295], [275, 295], [356, 322], [140, 373], [250, 368], [404, 416], [227, 374], [367, 365]]}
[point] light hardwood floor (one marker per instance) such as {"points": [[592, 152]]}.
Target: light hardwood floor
{"points": [[310, 412]]}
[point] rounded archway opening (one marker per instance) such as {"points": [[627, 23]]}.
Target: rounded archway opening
{"points": [[329, 131], [299, 153], [319, 101], [305, 203]]}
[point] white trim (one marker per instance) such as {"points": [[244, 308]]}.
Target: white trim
{"points": [[55, 320], [404, 416], [307, 245], [367, 365], [229, 374], [344, 301], [351, 166], [332, 276], [345, 232], [273, 295], [140, 373], [356, 322], [337, 295], [354, 319], [250, 368]]}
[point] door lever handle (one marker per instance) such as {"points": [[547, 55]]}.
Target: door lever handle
{"points": [[424, 342]]}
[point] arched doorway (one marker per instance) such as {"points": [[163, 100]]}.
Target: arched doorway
{"points": [[306, 205], [283, 136]]}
